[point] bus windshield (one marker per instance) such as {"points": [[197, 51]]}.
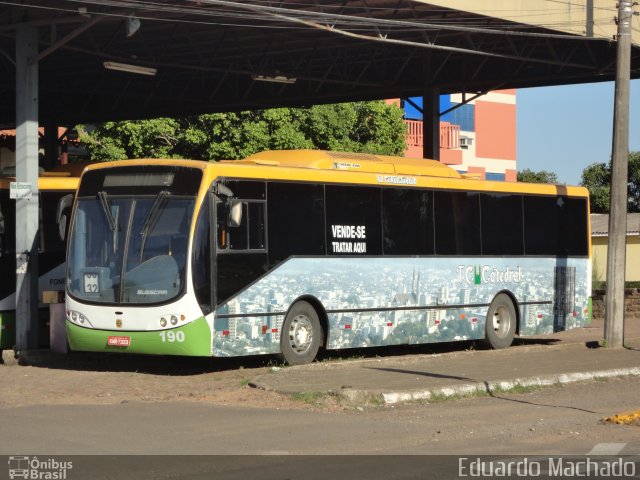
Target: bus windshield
{"points": [[129, 249]]}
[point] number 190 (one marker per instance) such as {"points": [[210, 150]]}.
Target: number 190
{"points": [[172, 336]]}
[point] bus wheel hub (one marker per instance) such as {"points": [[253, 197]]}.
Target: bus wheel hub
{"points": [[300, 333]]}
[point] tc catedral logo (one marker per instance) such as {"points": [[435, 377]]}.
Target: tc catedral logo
{"points": [[479, 274], [38, 469]]}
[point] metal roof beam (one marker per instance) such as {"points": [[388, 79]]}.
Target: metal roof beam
{"points": [[66, 39]]}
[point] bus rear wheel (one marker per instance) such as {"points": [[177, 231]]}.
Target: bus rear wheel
{"points": [[301, 334], [500, 326]]}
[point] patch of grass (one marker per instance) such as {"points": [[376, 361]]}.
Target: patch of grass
{"points": [[245, 382], [601, 379], [458, 396], [275, 365], [438, 397], [310, 398], [518, 388], [356, 356]]}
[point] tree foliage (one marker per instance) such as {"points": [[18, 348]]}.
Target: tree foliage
{"points": [[371, 127], [543, 176], [155, 138], [597, 178]]}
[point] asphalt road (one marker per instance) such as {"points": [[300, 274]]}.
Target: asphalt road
{"points": [[556, 420]]}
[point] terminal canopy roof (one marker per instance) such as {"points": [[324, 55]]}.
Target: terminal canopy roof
{"points": [[218, 55]]}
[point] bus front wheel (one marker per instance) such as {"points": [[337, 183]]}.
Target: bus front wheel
{"points": [[301, 334], [500, 327]]}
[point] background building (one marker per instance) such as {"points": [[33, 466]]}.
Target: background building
{"points": [[600, 240], [476, 137]]}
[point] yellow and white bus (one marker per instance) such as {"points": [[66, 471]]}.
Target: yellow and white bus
{"points": [[286, 252], [56, 199]]}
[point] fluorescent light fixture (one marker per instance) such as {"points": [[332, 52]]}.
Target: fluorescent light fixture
{"points": [[274, 78], [125, 67]]}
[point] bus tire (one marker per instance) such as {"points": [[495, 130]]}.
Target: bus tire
{"points": [[500, 326], [301, 334]]}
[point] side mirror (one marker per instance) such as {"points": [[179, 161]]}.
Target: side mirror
{"points": [[64, 204], [235, 213]]}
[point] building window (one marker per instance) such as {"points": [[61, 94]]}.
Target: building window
{"points": [[465, 116]]}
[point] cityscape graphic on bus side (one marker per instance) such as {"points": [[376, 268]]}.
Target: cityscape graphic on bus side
{"points": [[395, 301]]}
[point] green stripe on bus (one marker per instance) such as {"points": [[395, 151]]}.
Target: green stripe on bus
{"points": [[192, 339]]}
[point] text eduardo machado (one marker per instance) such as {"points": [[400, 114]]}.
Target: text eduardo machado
{"points": [[476, 467]]}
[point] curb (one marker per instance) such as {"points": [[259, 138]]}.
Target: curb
{"points": [[489, 387], [502, 386]]}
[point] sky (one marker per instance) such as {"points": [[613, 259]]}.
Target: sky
{"points": [[565, 129]]}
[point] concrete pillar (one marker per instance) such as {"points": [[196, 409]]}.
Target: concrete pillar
{"points": [[27, 178]]}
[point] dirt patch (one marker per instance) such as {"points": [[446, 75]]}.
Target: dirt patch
{"points": [[55, 379]]}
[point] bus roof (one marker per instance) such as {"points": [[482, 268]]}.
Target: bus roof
{"points": [[360, 162], [350, 168]]}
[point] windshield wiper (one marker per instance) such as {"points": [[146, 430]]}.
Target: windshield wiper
{"points": [[113, 222], [152, 217]]}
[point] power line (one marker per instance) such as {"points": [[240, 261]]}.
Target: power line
{"points": [[246, 11], [257, 16], [285, 14]]}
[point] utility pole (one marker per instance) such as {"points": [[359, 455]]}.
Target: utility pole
{"points": [[616, 253]]}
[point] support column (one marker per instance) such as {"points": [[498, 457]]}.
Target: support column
{"points": [[431, 124], [27, 177], [616, 251]]}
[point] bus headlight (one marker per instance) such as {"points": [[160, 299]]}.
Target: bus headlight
{"points": [[163, 322], [174, 320], [78, 318]]}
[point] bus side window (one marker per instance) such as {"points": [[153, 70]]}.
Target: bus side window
{"points": [[249, 234], [52, 212], [63, 215]]}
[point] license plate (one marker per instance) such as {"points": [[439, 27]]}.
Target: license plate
{"points": [[115, 341]]}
